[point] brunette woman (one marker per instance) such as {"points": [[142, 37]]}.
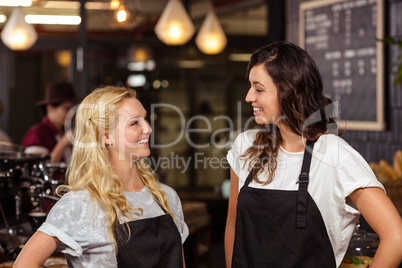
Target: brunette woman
{"points": [[298, 189]]}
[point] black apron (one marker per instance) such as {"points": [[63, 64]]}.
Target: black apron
{"points": [[281, 229], [154, 242]]}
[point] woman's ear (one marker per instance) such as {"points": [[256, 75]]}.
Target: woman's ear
{"points": [[108, 139]]}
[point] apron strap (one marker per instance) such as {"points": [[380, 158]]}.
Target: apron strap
{"points": [[248, 180], [303, 184]]}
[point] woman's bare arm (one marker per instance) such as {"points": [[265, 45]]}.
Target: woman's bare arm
{"points": [[231, 218], [382, 216], [36, 251]]}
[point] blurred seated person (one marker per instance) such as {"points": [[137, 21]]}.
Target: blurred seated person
{"points": [[48, 136]]}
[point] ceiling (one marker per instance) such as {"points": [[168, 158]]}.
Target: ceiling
{"points": [[237, 17]]}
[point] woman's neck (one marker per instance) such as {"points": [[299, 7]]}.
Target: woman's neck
{"points": [[129, 175], [291, 142]]}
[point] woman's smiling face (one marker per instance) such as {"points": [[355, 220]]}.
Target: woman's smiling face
{"points": [[263, 96], [130, 137]]}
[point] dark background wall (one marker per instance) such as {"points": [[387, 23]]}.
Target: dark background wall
{"points": [[372, 145]]}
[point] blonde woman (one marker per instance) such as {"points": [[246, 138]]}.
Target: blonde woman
{"points": [[115, 213]]}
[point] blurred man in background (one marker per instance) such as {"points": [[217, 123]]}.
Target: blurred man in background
{"points": [[49, 136]]}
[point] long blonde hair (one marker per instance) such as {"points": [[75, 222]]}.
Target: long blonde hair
{"points": [[90, 167]]}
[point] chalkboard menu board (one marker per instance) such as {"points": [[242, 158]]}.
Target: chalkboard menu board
{"points": [[340, 35]]}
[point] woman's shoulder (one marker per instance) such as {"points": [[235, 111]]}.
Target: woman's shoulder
{"points": [[71, 203], [75, 196], [240, 145], [332, 141], [334, 148], [171, 195], [250, 133], [169, 191], [246, 138]]}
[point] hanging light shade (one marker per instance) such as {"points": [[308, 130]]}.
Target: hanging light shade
{"points": [[122, 13], [17, 34], [211, 38], [114, 4], [174, 27]]}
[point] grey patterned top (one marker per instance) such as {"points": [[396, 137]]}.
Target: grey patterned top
{"points": [[81, 228]]}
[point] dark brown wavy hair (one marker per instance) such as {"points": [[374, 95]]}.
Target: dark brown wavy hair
{"points": [[305, 109]]}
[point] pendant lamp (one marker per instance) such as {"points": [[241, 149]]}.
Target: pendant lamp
{"points": [[211, 38], [122, 13], [174, 27], [17, 34], [114, 4]]}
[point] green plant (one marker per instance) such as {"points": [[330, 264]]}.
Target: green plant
{"points": [[393, 41]]}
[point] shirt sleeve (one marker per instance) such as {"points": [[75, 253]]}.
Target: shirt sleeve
{"points": [[67, 221], [233, 155], [177, 209], [239, 164], [354, 173]]}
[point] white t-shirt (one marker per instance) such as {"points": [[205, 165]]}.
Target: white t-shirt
{"points": [[336, 171], [82, 229]]}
